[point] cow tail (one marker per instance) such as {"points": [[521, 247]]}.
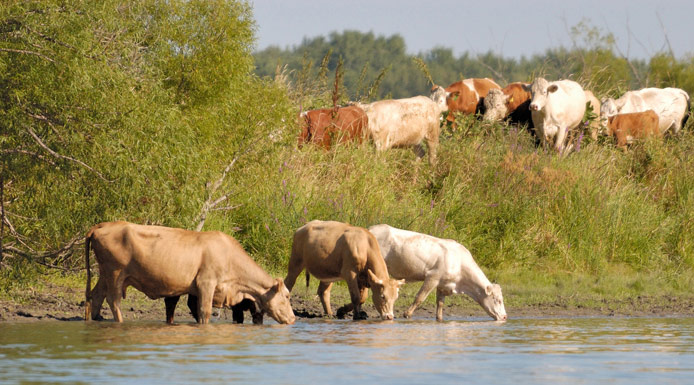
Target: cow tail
{"points": [[88, 291], [308, 276], [687, 111]]}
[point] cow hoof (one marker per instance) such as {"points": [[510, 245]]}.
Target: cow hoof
{"points": [[97, 317], [341, 314], [407, 315]]}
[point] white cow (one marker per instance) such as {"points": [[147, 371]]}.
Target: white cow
{"points": [[407, 122], [556, 107], [443, 264], [670, 104]]}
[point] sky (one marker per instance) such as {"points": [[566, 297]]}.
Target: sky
{"points": [[511, 28]]}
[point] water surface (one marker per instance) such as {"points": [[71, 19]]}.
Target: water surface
{"points": [[520, 351]]}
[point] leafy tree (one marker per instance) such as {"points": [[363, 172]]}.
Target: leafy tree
{"points": [[113, 110]]}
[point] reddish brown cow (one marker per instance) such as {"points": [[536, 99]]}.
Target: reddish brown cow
{"points": [[635, 125], [511, 103], [327, 126], [467, 96]]}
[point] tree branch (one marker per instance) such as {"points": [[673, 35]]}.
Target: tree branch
{"points": [[59, 156], [27, 53]]}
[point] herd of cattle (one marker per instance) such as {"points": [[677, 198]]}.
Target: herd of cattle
{"points": [[214, 270], [554, 111]]}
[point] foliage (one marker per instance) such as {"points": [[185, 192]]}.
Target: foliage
{"points": [[114, 111]]}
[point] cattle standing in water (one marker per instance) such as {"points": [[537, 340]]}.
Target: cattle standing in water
{"points": [[670, 104], [511, 103], [331, 251], [634, 125], [442, 264], [328, 126], [168, 262], [557, 108], [467, 96], [407, 122]]}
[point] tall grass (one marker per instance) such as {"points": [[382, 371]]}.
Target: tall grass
{"points": [[599, 212]]}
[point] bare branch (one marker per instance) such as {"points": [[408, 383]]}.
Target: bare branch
{"points": [[25, 152], [211, 203], [667, 39], [27, 53], [59, 156]]}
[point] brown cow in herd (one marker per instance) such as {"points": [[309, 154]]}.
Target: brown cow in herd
{"points": [[168, 262], [333, 251], [328, 126], [467, 96], [634, 125]]}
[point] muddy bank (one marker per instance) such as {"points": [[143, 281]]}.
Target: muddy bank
{"points": [[58, 303]]}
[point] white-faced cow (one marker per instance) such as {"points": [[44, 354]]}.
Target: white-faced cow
{"points": [[633, 125], [407, 122], [511, 103], [442, 264], [168, 262], [670, 104], [557, 109], [333, 251]]}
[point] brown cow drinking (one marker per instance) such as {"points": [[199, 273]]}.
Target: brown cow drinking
{"points": [[332, 251]]}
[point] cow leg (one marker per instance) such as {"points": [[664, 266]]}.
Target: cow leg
{"points": [[355, 296], [363, 295], [419, 151], [428, 285], [114, 293], [98, 295], [170, 303], [324, 295], [237, 311], [296, 265], [205, 298], [432, 143], [440, 298], [193, 306]]}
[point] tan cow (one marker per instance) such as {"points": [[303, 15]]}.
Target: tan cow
{"points": [[467, 96], [332, 251], [407, 122], [635, 125], [168, 262], [594, 103]]}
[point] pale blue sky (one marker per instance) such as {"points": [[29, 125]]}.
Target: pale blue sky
{"points": [[508, 27]]}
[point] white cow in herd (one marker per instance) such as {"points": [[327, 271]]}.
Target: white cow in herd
{"points": [[670, 104], [557, 108], [407, 122], [442, 264]]}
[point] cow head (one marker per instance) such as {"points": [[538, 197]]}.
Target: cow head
{"points": [[495, 105], [384, 294], [276, 303], [539, 90], [493, 302], [608, 108], [439, 95]]}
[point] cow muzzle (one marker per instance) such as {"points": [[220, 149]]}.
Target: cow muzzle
{"points": [[534, 107]]}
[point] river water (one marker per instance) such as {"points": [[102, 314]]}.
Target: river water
{"points": [[519, 351]]}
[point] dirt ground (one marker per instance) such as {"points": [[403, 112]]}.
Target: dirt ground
{"points": [[57, 303]]}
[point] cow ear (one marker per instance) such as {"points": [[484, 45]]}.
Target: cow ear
{"points": [[488, 289], [279, 283], [526, 87], [552, 88], [374, 279], [399, 282]]}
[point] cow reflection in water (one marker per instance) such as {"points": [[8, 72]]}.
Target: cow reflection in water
{"points": [[236, 310]]}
